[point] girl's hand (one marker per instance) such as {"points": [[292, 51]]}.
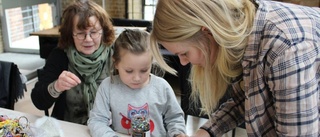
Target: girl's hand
{"points": [[66, 81]]}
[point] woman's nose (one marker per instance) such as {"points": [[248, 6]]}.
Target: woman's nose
{"points": [[183, 61], [88, 37]]}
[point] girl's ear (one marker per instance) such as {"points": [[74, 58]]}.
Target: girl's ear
{"points": [[115, 65]]}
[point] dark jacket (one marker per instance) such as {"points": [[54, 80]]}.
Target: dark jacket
{"points": [[11, 85], [56, 62]]}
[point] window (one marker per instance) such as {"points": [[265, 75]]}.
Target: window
{"points": [[141, 9], [23, 17], [150, 9]]}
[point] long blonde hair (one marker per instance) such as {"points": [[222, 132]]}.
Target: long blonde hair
{"points": [[229, 22]]}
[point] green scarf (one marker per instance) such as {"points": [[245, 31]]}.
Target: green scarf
{"points": [[89, 67]]}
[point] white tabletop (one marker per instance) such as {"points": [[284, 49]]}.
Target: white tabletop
{"points": [[69, 129]]}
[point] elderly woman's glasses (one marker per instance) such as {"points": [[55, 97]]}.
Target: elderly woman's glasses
{"points": [[82, 36]]}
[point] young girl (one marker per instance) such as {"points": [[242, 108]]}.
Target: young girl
{"points": [[132, 91]]}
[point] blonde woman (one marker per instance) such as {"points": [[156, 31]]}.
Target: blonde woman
{"points": [[267, 51]]}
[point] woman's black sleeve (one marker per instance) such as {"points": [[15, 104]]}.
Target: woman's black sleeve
{"points": [[55, 64]]}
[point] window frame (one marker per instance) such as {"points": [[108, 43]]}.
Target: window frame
{"points": [[133, 13], [9, 4]]}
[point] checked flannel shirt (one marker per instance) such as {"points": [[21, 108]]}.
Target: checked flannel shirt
{"points": [[281, 73]]}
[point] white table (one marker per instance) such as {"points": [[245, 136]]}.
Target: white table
{"points": [[69, 129]]}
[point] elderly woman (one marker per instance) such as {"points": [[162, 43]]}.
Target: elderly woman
{"points": [[74, 70]]}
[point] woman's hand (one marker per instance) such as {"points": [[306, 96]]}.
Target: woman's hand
{"points": [[180, 135], [201, 133], [66, 81]]}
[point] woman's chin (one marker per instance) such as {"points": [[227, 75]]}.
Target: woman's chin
{"points": [[87, 52]]}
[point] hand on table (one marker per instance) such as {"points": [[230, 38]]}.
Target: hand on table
{"points": [[181, 135], [66, 81], [200, 133]]}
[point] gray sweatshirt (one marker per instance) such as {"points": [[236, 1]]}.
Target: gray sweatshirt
{"points": [[116, 103]]}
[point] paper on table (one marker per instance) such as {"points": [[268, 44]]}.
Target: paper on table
{"points": [[50, 126]]}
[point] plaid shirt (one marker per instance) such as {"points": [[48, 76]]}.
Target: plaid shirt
{"points": [[278, 93]]}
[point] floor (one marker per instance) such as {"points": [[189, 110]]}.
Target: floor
{"points": [[25, 104]]}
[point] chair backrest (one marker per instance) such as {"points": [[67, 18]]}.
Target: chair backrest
{"points": [[11, 85], [132, 22]]}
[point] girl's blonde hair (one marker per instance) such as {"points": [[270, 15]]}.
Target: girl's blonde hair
{"points": [[137, 42], [229, 22], [134, 41]]}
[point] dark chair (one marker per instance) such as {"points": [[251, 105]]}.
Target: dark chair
{"points": [[132, 22], [47, 45], [12, 86]]}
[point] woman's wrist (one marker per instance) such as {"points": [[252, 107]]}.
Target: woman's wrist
{"points": [[52, 91], [201, 133]]}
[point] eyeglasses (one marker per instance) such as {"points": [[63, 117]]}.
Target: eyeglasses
{"points": [[82, 36]]}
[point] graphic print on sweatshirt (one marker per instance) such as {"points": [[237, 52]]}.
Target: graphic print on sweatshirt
{"points": [[132, 111]]}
